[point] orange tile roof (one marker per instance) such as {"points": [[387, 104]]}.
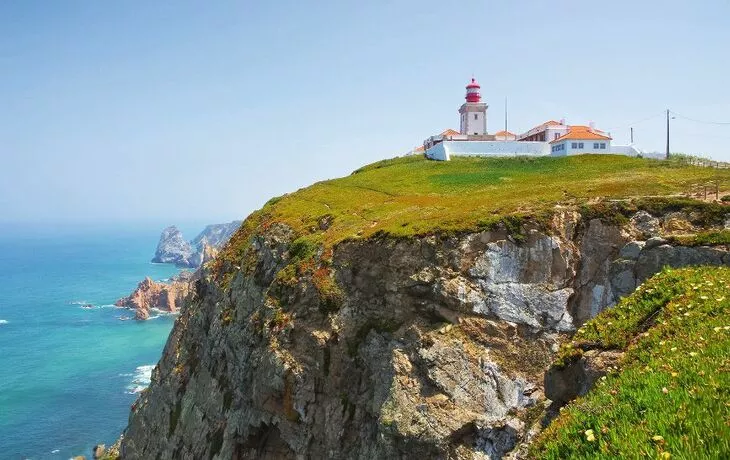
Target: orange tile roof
{"points": [[450, 132], [503, 133], [420, 148], [582, 133], [585, 128]]}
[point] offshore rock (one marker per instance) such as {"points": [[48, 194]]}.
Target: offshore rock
{"points": [[173, 249], [153, 295]]}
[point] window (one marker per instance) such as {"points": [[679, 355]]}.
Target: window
{"points": [[476, 116], [603, 145], [595, 145], [557, 135], [580, 145], [574, 145]]}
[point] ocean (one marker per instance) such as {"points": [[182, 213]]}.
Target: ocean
{"points": [[69, 374]]}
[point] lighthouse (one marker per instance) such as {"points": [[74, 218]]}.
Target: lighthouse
{"points": [[473, 112]]}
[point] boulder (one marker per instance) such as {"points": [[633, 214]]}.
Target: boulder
{"points": [[646, 224], [99, 450], [631, 250], [654, 242]]}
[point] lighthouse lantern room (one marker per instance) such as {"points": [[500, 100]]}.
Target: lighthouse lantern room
{"points": [[473, 112]]}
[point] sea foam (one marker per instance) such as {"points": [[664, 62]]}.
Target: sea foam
{"points": [[3, 321], [140, 379]]}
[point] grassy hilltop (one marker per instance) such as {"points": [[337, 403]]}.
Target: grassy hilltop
{"points": [[412, 195]]}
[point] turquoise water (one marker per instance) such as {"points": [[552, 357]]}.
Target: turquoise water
{"points": [[68, 375]]}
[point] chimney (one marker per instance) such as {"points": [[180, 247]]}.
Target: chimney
{"points": [[562, 121], [592, 125]]}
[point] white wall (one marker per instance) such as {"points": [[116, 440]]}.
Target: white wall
{"points": [[445, 150], [628, 150], [551, 131], [476, 122], [438, 152], [587, 147]]}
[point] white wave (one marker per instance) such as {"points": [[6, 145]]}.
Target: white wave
{"points": [[55, 451], [110, 305], [3, 321], [140, 379], [159, 313], [78, 302]]}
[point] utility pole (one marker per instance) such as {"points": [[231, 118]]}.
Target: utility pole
{"points": [[667, 134], [505, 114], [632, 134]]}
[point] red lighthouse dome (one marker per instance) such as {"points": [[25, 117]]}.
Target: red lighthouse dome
{"points": [[472, 91]]}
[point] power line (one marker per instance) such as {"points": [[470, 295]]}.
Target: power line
{"points": [[700, 121]]}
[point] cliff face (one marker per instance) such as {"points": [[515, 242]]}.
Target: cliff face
{"points": [[216, 235], [430, 347]]}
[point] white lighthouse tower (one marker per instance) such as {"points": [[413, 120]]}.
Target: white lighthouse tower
{"points": [[473, 112]]}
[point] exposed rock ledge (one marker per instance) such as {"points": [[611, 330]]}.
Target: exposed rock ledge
{"points": [[156, 295], [436, 347]]}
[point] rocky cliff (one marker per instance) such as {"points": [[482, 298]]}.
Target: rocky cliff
{"points": [[429, 346], [174, 249], [156, 295]]}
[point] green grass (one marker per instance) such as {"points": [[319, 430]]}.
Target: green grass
{"points": [[410, 196], [711, 238], [671, 396]]}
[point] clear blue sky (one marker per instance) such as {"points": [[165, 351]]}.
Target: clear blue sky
{"points": [[176, 110]]}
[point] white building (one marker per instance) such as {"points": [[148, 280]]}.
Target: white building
{"points": [[546, 132], [555, 138], [580, 139]]}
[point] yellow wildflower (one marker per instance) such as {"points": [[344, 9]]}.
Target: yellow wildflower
{"points": [[590, 437]]}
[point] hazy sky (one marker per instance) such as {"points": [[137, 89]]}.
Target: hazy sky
{"points": [[178, 110]]}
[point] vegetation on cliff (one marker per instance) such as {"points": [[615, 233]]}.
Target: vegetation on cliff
{"points": [[668, 397], [414, 196]]}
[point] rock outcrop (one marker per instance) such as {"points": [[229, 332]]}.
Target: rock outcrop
{"points": [[155, 295], [216, 235], [174, 249], [422, 347]]}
